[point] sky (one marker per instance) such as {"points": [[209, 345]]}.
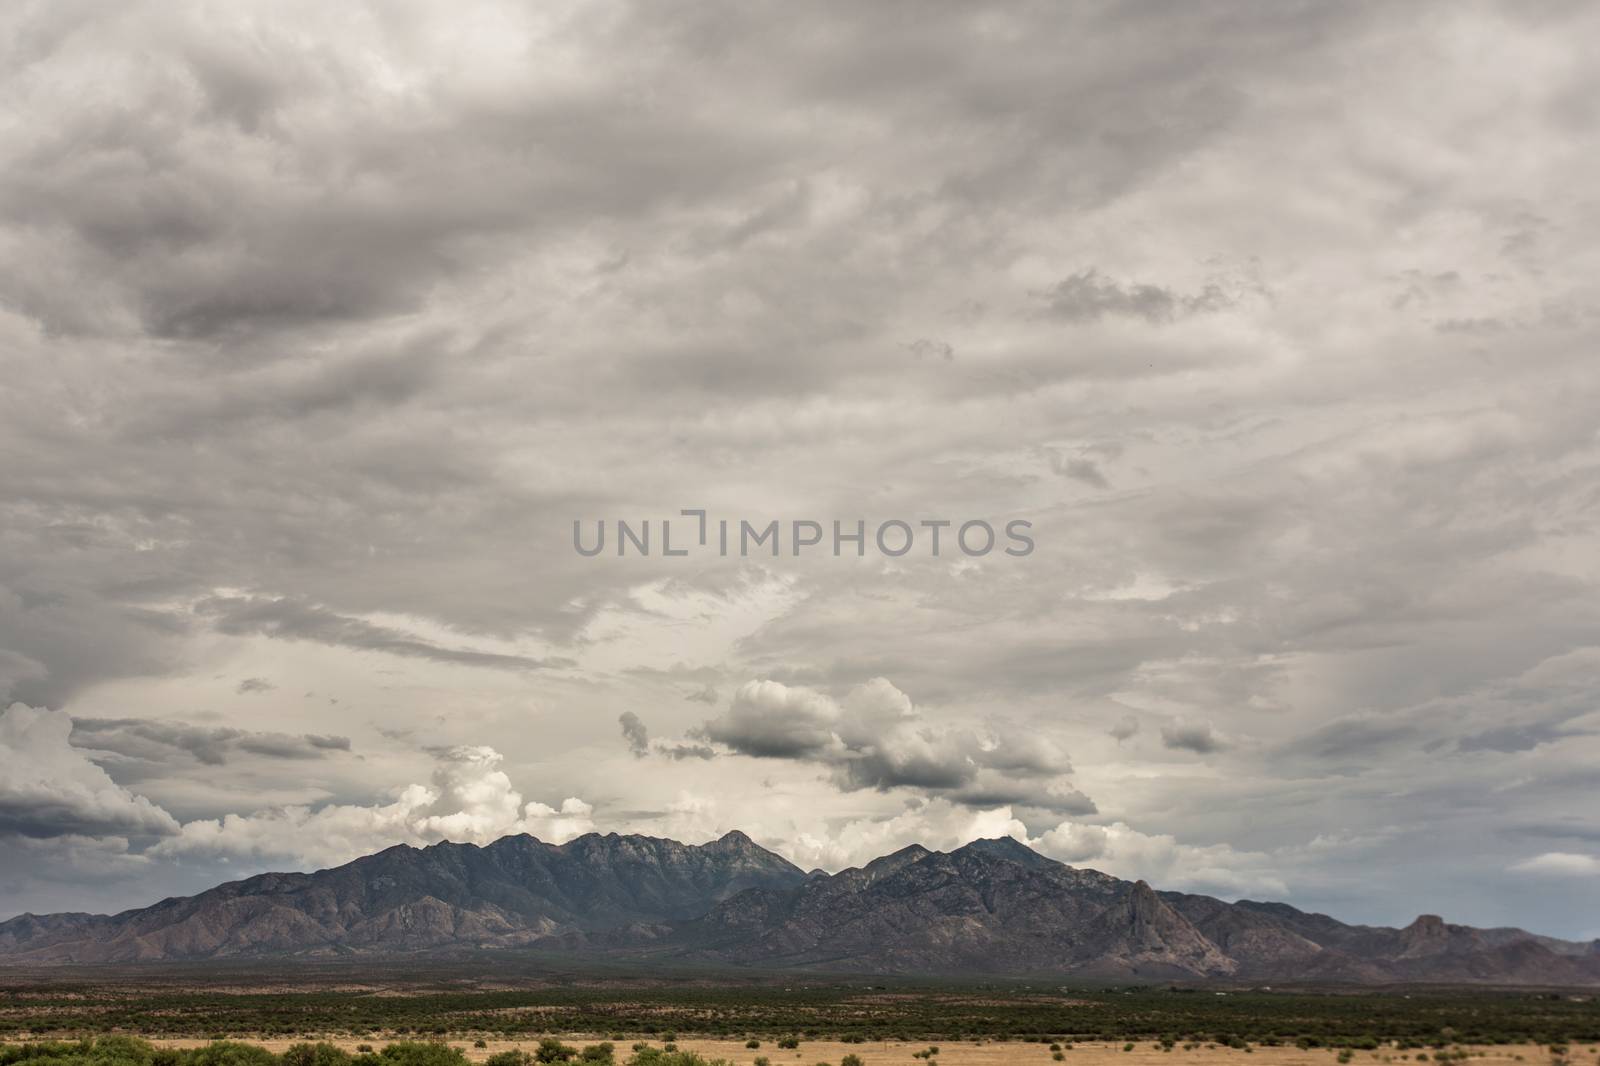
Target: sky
{"points": [[321, 326]]}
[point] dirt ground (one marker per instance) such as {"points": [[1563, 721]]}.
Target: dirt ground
{"points": [[897, 1053]]}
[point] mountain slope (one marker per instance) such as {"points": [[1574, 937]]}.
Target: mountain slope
{"points": [[980, 908], [514, 891], [993, 906]]}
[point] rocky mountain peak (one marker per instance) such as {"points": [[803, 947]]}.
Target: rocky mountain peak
{"points": [[1007, 848]]}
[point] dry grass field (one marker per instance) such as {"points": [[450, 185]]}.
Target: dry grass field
{"points": [[1004, 1053]]}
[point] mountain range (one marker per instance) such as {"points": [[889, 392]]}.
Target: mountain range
{"points": [[991, 907]]}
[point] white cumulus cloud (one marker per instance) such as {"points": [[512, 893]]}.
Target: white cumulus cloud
{"points": [[1560, 864], [1122, 851], [468, 799], [50, 789]]}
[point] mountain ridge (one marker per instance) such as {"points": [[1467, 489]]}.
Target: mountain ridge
{"points": [[991, 906]]}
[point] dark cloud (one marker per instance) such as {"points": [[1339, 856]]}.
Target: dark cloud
{"points": [[254, 684], [1512, 738], [1198, 737], [635, 734], [923, 347], [47, 611], [770, 720], [686, 751], [1088, 296], [1085, 471], [158, 741], [875, 739], [285, 619], [1359, 738], [1046, 803], [50, 790]]}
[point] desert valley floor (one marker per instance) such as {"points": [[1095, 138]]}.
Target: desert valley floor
{"points": [[1005, 1053]]}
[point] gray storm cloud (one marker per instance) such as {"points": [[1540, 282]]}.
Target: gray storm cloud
{"points": [[876, 739], [154, 740], [319, 329]]}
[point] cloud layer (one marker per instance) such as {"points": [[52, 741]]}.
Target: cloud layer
{"points": [[319, 328]]}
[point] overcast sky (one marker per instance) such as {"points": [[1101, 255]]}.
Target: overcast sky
{"points": [[321, 324]]}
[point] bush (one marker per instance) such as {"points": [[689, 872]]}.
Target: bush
{"points": [[598, 1053], [552, 1050], [421, 1053], [230, 1053], [851, 1060], [321, 1053], [508, 1058], [107, 1051], [662, 1057], [752, 1044]]}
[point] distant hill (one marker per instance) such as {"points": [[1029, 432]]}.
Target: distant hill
{"points": [[991, 907]]}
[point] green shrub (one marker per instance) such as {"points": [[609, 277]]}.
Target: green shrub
{"points": [[651, 1056], [321, 1053], [552, 1050], [421, 1053], [106, 1051], [230, 1053], [508, 1058]]}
